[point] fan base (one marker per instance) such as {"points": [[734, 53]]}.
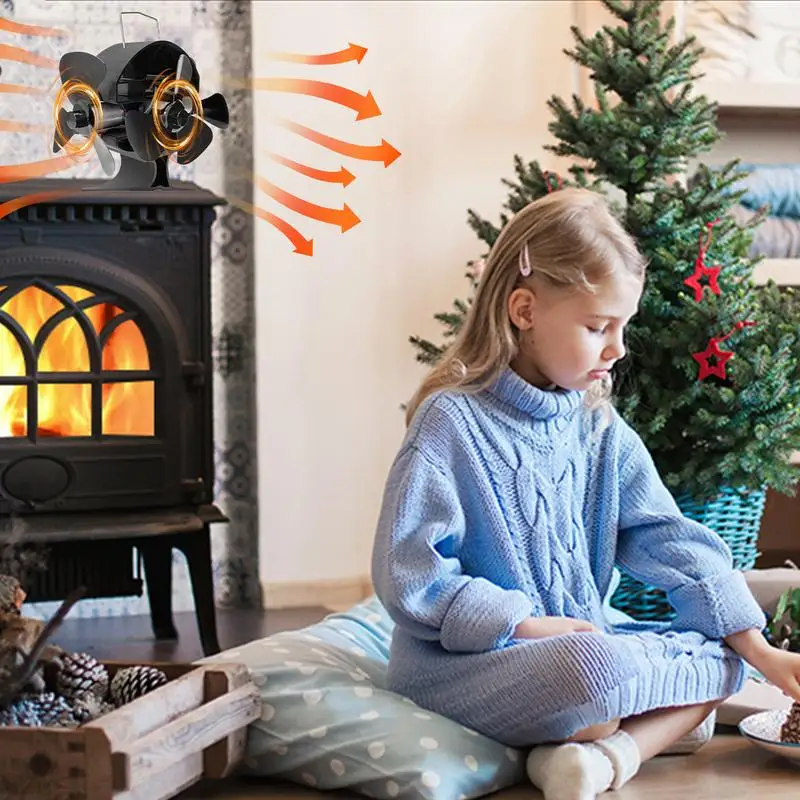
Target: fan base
{"points": [[134, 174]]}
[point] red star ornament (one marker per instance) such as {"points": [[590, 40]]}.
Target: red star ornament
{"points": [[721, 358], [702, 271]]}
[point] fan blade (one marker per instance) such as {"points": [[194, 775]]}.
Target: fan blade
{"points": [[215, 111], [200, 142], [104, 154], [62, 133], [184, 71], [140, 132], [84, 67]]}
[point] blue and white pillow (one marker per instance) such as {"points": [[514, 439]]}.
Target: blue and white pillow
{"points": [[328, 720]]}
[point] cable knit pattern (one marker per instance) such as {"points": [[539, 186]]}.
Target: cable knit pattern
{"points": [[515, 501]]}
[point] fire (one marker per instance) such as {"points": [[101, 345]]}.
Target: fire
{"points": [[65, 409]]}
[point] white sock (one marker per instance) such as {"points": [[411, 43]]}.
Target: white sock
{"points": [[623, 753], [570, 771], [691, 742]]}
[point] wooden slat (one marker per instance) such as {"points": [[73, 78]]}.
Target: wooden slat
{"points": [[43, 763], [130, 722], [185, 693], [222, 757], [99, 778], [169, 783], [191, 733]]}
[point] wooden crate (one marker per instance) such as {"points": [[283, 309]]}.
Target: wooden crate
{"points": [[193, 727]]}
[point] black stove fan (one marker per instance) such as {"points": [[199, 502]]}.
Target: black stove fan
{"points": [[140, 99]]}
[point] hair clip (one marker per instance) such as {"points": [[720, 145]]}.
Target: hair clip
{"points": [[525, 261], [559, 181]]}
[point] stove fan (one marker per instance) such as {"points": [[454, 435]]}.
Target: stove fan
{"points": [[140, 99]]}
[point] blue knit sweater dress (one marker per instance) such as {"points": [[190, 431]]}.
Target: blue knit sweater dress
{"points": [[516, 501]]}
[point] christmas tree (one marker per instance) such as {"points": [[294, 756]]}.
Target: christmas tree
{"points": [[711, 381]]}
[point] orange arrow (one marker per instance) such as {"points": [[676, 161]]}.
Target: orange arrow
{"points": [[342, 175], [382, 152], [26, 57], [302, 246], [35, 169], [31, 199], [10, 125], [13, 88], [28, 30], [353, 52], [344, 217], [364, 104]]}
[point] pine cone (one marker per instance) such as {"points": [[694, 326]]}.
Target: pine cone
{"points": [[82, 674], [12, 596], [790, 730], [46, 710], [20, 714], [132, 682], [89, 707]]}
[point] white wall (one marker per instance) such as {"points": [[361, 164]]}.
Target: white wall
{"points": [[462, 87]]}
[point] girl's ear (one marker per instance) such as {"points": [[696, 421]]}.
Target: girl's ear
{"points": [[521, 306]]}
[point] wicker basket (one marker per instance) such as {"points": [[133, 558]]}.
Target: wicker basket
{"points": [[735, 515]]}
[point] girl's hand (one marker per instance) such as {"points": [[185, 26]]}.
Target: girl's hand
{"points": [[541, 627], [780, 667]]}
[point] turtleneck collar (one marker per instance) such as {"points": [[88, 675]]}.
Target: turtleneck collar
{"points": [[538, 403]]}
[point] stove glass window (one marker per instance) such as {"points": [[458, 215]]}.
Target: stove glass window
{"points": [[73, 363]]}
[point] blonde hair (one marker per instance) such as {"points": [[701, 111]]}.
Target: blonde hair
{"points": [[571, 239]]}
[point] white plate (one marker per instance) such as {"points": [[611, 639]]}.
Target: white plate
{"points": [[764, 729]]}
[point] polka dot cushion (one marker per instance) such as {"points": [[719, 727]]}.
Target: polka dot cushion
{"points": [[329, 722]]}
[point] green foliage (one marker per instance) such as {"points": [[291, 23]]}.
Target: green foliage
{"points": [[783, 628], [647, 124]]}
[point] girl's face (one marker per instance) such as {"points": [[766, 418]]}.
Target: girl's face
{"points": [[572, 338]]}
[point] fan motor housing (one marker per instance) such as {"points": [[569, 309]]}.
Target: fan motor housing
{"points": [[129, 65]]}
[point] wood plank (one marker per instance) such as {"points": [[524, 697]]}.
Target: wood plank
{"points": [[99, 778], [42, 763], [221, 758], [173, 781], [128, 723], [191, 733], [184, 693], [727, 767]]}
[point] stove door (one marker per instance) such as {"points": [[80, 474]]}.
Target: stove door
{"points": [[94, 410]]}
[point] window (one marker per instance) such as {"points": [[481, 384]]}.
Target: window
{"points": [[73, 363]]}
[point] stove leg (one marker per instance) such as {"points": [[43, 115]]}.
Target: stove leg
{"points": [[157, 557], [197, 549]]}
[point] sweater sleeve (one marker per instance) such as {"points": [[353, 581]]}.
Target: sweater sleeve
{"points": [[659, 546], [416, 569]]}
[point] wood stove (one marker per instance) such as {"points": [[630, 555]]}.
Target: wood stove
{"points": [[106, 430]]}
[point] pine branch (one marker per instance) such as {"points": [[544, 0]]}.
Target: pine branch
{"points": [[16, 679]]}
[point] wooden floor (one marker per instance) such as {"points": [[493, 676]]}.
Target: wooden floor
{"points": [[727, 768], [131, 638]]}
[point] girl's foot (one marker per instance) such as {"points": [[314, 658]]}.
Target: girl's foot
{"points": [[575, 771], [570, 771]]}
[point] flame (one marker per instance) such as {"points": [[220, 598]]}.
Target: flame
{"points": [[65, 409]]}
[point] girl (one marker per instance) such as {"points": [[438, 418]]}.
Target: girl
{"points": [[517, 490]]}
